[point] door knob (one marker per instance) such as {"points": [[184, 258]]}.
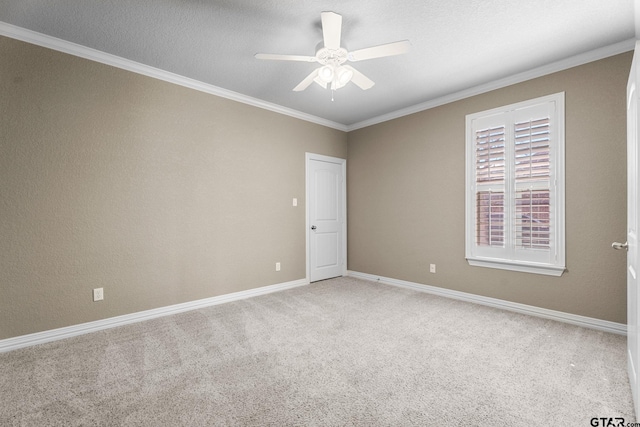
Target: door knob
{"points": [[313, 227], [620, 246]]}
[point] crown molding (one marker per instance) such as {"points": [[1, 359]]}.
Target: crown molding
{"points": [[71, 48], [75, 49], [573, 61]]}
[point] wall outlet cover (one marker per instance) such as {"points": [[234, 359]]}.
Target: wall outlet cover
{"points": [[98, 294]]}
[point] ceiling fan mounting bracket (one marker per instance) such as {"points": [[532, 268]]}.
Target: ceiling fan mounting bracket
{"points": [[326, 56]]}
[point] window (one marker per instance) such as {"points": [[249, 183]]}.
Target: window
{"points": [[515, 187]]}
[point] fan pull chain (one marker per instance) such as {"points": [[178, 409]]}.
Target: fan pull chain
{"points": [[332, 92]]}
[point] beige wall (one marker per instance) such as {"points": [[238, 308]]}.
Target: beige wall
{"points": [[162, 195], [158, 193], [407, 192]]}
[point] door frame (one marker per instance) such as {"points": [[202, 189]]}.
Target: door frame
{"points": [[632, 256], [343, 163]]}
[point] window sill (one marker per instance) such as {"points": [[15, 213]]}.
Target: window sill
{"points": [[523, 267]]}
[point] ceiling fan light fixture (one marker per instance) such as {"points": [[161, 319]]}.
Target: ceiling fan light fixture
{"points": [[326, 73], [344, 75], [321, 82]]}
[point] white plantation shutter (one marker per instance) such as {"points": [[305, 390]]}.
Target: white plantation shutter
{"points": [[515, 186], [490, 154], [531, 139], [489, 175], [532, 174], [490, 218], [532, 220]]}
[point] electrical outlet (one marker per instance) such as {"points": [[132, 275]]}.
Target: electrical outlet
{"points": [[277, 266], [432, 268], [98, 294]]}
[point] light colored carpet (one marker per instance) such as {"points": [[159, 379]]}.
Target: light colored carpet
{"points": [[338, 352]]}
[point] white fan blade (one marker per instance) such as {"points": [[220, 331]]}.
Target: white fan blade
{"points": [[388, 49], [277, 57], [307, 81], [360, 79], [331, 29]]}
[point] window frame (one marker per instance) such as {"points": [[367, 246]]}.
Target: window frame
{"points": [[510, 257]]}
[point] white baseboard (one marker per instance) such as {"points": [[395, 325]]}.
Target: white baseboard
{"points": [[112, 322], [98, 325], [587, 322]]}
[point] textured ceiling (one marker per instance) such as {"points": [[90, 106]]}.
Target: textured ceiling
{"points": [[456, 44]]}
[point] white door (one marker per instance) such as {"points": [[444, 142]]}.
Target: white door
{"points": [[632, 229], [326, 217]]}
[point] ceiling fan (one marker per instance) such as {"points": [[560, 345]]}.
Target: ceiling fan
{"points": [[333, 72]]}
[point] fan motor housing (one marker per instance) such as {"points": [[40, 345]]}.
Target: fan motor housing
{"points": [[332, 56]]}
